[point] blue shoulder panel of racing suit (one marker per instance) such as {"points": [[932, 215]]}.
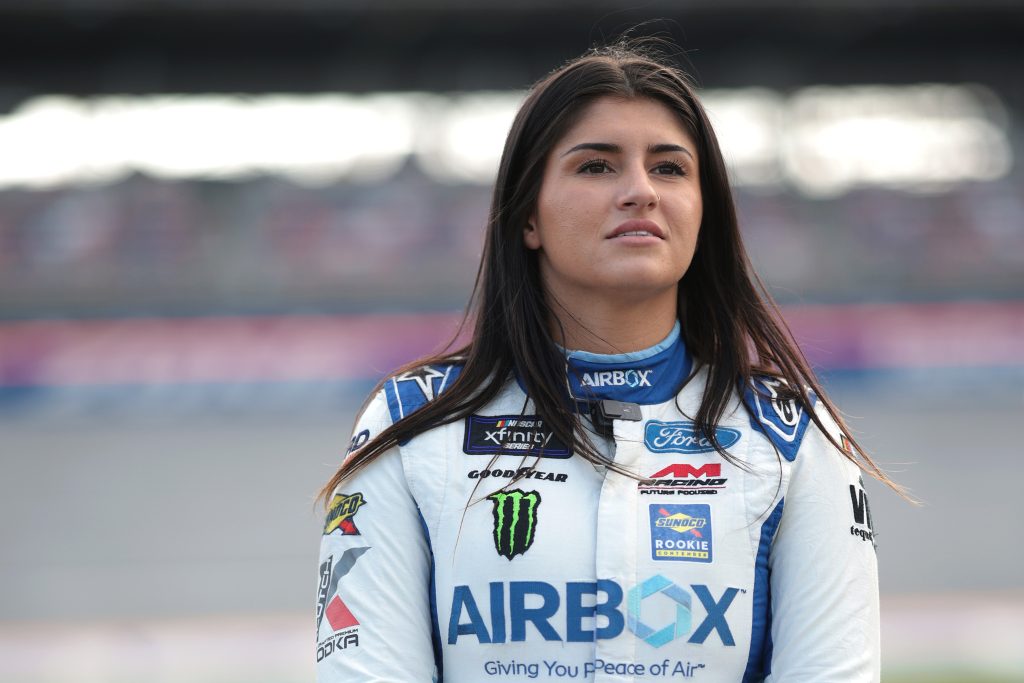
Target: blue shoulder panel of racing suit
{"points": [[783, 422], [408, 392], [759, 662]]}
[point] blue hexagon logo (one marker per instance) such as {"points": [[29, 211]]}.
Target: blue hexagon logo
{"points": [[666, 634]]}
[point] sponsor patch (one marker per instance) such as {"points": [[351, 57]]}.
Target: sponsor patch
{"points": [[515, 521], [336, 643], [511, 435], [358, 441], [617, 378], [685, 479], [682, 437], [342, 510], [585, 611], [681, 532], [862, 526], [343, 624], [520, 473]]}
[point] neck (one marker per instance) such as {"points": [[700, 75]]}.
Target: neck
{"points": [[599, 325]]}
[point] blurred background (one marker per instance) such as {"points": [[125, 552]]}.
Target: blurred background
{"points": [[222, 221]]}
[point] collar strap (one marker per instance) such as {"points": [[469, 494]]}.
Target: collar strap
{"points": [[649, 376], [652, 375]]}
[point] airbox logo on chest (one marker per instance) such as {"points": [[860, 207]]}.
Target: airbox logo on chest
{"points": [[682, 437], [585, 611], [618, 378], [511, 435]]}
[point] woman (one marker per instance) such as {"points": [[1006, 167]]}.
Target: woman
{"points": [[629, 473]]}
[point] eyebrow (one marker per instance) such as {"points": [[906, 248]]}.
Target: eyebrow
{"points": [[615, 149]]}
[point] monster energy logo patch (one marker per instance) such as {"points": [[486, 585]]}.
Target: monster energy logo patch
{"points": [[515, 521]]}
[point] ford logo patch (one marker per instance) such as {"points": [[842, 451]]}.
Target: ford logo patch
{"points": [[681, 437]]}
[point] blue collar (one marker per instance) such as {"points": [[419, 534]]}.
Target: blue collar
{"points": [[652, 375]]}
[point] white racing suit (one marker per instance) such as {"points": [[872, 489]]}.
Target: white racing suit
{"points": [[435, 565]]}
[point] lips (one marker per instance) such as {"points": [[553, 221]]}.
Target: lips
{"points": [[638, 228]]}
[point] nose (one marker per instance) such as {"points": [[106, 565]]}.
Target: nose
{"points": [[637, 190]]}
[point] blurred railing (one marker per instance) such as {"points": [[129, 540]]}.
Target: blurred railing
{"points": [[257, 360]]}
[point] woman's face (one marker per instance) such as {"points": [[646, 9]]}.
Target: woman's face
{"points": [[620, 204]]}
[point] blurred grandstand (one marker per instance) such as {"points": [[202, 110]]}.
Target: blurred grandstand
{"points": [[143, 246], [214, 216]]}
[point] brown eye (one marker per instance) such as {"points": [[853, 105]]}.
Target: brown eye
{"points": [[594, 167], [669, 168]]}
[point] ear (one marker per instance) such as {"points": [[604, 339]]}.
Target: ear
{"points": [[531, 237]]}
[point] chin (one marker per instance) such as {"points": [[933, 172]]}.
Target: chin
{"points": [[642, 283], [654, 275]]}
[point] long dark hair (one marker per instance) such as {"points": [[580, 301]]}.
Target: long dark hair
{"points": [[729, 323]]}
